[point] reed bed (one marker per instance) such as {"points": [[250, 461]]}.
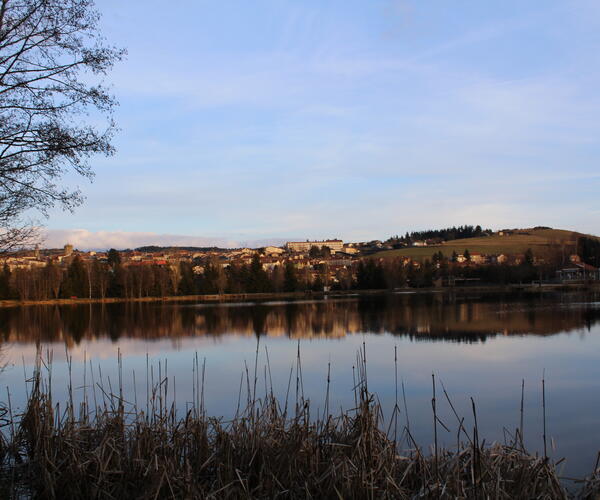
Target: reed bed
{"points": [[107, 448]]}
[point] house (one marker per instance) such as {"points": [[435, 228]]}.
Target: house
{"points": [[477, 258], [273, 250], [497, 259], [270, 263], [578, 271]]}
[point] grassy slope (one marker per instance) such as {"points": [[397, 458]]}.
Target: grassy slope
{"points": [[539, 240]]}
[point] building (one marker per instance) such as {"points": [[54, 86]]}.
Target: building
{"points": [[501, 259], [305, 246], [273, 251], [578, 271], [477, 258]]}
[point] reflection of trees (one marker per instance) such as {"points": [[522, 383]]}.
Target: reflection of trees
{"points": [[420, 317]]}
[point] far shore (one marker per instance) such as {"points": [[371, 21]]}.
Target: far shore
{"points": [[250, 297]]}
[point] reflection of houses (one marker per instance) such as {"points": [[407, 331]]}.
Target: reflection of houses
{"points": [[439, 317], [578, 271]]}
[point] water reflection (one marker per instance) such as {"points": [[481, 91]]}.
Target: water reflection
{"points": [[480, 346], [455, 318]]}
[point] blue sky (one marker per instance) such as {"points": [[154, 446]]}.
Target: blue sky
{"points": [[245, 121]]}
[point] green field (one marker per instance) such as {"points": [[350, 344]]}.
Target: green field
{"points": [[541, 241]]}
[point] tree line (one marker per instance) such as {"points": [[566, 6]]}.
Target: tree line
{"points": [[447, 234], [97, 279]]}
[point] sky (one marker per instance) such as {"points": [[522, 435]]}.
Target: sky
{"points": [[250, 122]]}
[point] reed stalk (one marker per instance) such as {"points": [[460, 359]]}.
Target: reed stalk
{"points": [[119, 451]]}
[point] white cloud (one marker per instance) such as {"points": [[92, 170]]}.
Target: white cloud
{"points": [[83, 239]]}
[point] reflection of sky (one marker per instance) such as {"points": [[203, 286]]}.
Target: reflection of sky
{"points": [[490, 372]]}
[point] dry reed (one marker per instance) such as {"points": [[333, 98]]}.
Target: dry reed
{"points": [[106, 448]]}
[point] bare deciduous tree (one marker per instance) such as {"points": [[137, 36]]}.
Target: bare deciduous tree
{"points": [[52, 61]]}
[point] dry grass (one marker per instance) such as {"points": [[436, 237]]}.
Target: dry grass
{"points": [[541, 241], [109, 449]]}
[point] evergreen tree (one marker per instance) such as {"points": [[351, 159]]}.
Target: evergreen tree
{"points": [[317, 285], [325, 251], [529, 257], [427, 274], [443, 267], [290, 277], [412, 275], [212, 280], [370, 275], [437, 258], [76, 280], [117, 281], [187, 284], [236, 279], [114, 258], [314, 252], [589, 250], [258, 280], [361, 275]]}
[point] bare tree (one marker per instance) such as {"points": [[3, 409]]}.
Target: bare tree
{"points": [[53, 275], [24, 283], [52, 62], [161, 281], [101, 274]]}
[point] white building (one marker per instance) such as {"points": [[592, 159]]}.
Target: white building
{"points": [[305, 246]]}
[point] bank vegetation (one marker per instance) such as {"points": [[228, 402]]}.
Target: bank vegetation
{"points": [[104, 447]]}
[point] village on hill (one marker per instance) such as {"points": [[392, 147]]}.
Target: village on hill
{"points": [[423, 259]]}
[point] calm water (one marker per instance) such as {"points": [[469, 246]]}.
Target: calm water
{"points": [[478, 346]]}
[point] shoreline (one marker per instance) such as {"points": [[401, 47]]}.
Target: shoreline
{"points": [[250, 297]]}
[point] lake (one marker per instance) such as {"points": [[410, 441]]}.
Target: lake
{"points": [[480, 346]]}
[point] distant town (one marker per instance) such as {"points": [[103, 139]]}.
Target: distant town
{"points": [[420, 259]]}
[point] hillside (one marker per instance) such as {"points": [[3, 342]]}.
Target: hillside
{"points": [[541, 241]]}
